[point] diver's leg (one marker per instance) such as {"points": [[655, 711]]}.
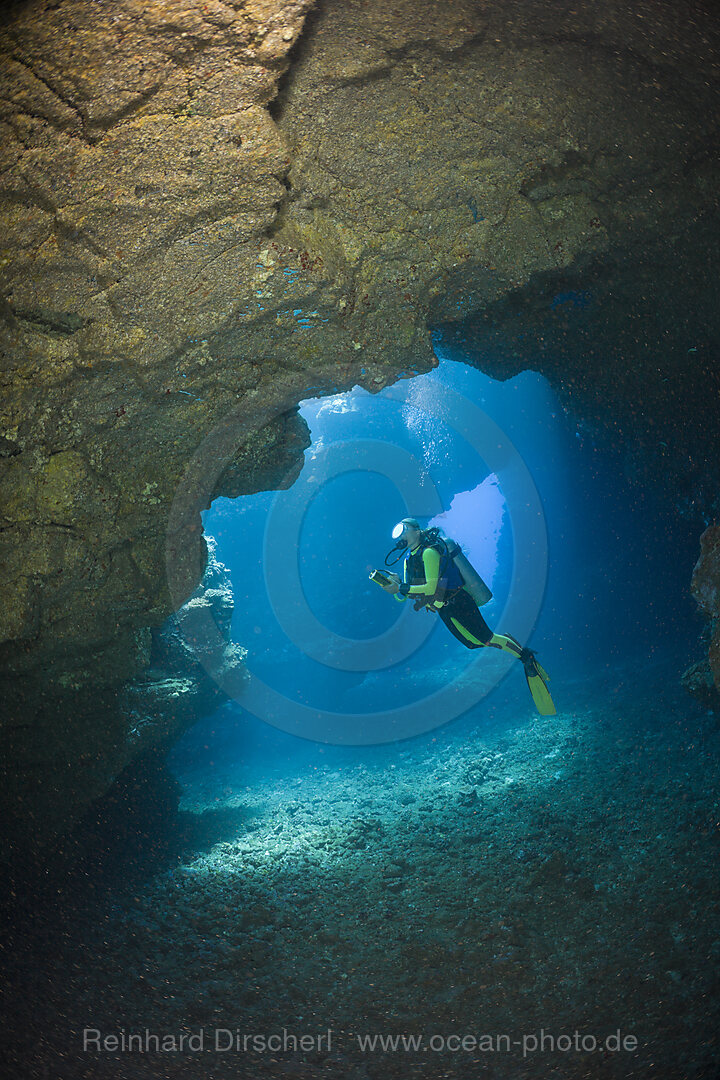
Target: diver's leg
{"points": [[507, 644], [464, 621], [463, 636], [535, 675], [462, 617]]}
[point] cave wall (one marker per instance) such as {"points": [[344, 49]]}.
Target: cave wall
{"points": [[213, 210]]}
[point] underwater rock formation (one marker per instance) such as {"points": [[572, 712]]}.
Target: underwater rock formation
{"points": [[704, 678], [186, 255], [193, 665]]}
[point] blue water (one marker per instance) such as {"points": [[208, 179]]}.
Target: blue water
{"points": [[459, 449]]}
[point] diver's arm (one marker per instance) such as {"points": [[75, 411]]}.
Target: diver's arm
{"points": [[431, 563], [395, 592]]}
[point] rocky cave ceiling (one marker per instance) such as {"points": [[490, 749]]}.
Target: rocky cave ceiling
{"points": [[180, 180]]}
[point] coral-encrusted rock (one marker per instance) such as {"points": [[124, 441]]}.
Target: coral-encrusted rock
{"points": [[706, 590], [193, 665], [698, 681], [67, 760], [141, 171], [706, 575]]}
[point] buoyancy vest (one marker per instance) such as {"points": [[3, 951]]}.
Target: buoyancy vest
{"points": [[449, 577]]}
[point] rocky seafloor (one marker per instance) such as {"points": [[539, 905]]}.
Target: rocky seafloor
{"points": [[554, 875]]}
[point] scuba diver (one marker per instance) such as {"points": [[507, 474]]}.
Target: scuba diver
{"points": [[439, 578]]}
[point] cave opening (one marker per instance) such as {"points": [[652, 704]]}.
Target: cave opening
{"points": [[599, 588]]}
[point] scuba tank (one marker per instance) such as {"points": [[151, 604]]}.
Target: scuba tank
{"points": [[472, 582]]}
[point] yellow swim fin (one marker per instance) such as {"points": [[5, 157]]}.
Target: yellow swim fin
{"points": [[537, 679]]}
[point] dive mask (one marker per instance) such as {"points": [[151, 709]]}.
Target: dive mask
{"points": [[398, 533]]}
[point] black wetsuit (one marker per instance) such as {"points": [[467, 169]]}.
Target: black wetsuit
{"points": [[445, 594], [464, 610], [434, 582]]}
